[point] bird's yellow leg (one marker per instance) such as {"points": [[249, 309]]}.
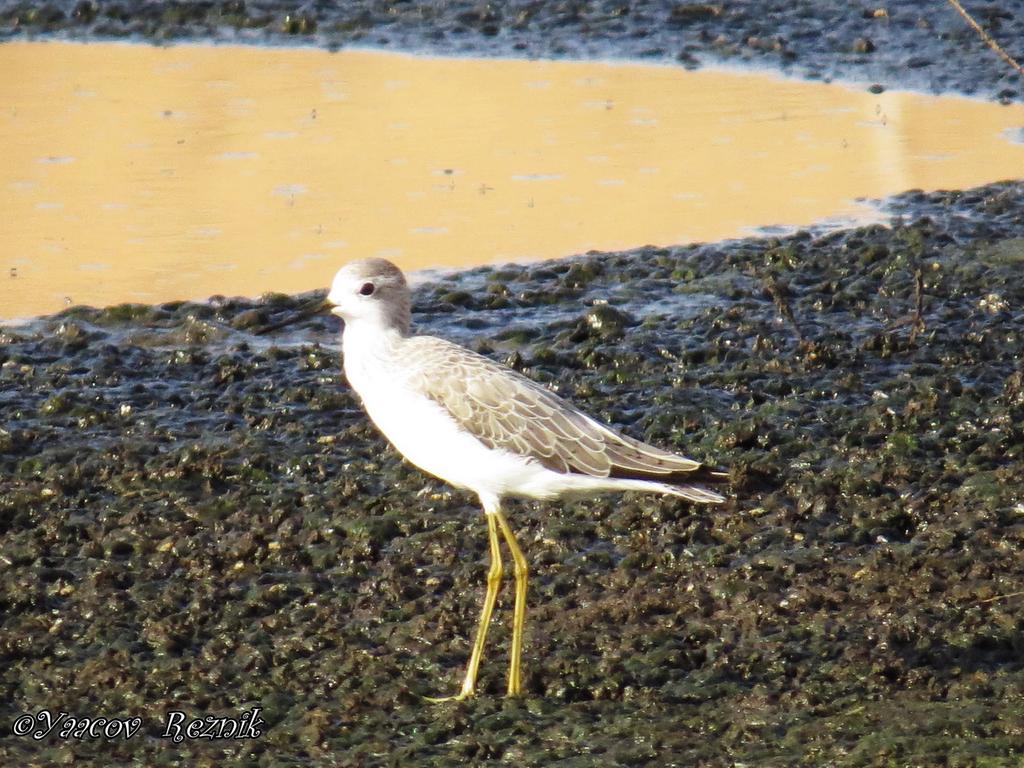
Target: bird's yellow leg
{"points": [[515, 681], [493, 582]]}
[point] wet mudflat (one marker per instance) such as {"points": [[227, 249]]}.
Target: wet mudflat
{"points": [[197, 518]]}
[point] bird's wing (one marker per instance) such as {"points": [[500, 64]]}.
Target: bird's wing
{"points": [[505, 410]]}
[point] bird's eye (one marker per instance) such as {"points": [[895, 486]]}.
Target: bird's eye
{"points": [[367, 289]]}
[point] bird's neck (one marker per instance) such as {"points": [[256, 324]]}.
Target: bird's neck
{"points": [[366, 337]]}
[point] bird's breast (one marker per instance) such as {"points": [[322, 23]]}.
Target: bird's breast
{"points": [[429, 436]]}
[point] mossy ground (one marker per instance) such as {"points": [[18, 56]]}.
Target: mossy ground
{"points": [[193, 517]]}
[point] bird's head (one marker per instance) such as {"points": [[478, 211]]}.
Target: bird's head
{"points": [[371, 291]]}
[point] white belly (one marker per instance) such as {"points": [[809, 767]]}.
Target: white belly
{"points": [[427, 435]]}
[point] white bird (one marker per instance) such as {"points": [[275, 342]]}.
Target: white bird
{"points": [[485, 428]]}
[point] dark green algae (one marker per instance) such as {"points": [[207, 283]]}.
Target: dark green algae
{"points": [[196, 517]]}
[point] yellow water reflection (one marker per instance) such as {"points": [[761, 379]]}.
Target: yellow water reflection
{"points": [[135, 173]]}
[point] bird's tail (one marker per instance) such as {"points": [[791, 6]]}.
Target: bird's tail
{"points": [[692, 493], [678, 483]]}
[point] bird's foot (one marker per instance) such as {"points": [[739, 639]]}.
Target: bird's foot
{"points": [[460, 696]]}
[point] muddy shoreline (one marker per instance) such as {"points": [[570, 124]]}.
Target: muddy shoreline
{"points": [[901, 43], [196, 518]]}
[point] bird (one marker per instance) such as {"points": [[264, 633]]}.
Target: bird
{"points": [[482, 427]]}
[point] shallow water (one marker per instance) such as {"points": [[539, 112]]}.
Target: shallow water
{"points": [[144, 174]]}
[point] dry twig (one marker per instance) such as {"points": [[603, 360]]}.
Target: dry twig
{"points": [[987, 37]]}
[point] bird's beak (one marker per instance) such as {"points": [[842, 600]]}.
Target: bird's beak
{"points": [[303, 312]]}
